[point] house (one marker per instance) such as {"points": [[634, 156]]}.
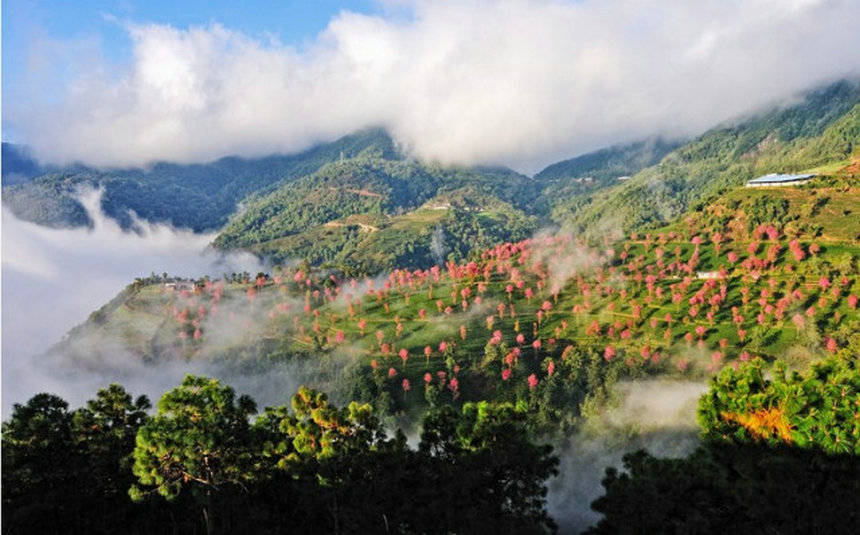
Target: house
{"points": [[775, 180], [188, 286]]}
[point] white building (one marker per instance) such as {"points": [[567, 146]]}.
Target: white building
{"points": [[775, 180]]}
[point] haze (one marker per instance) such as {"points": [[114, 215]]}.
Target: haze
{"points": [[53, 279]]}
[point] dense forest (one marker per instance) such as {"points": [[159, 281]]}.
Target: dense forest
{"points": [[780, 453], [199, 465]]}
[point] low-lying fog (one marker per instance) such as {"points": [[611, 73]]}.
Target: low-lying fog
{"points": [[52, 279]]}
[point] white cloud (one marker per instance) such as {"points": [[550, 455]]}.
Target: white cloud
{"points": [[516, 82], [52, 279]]}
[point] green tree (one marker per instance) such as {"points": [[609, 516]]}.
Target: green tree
{"points": [[332, 451], [199, 440], [104, 434], [40, 463], [484, 460], [780, 455], [817, 409]]}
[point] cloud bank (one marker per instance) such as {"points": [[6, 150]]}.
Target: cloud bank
{"points": [[514, 82], [54, 278]]}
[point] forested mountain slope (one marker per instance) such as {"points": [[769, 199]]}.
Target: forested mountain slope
{"points": [[348, 207], [199, 196], [822, 128], [604, 168], [18, 165]]}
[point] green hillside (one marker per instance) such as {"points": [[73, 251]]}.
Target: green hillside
{"points": [[548, 321], [374, 243], [367, 214], [199, 197], [585, 174], [822, 128]]}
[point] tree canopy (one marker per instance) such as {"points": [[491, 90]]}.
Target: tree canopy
{"points": [[203, 461], [779, 455]]}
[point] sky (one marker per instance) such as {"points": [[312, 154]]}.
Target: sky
{"points": [[521, 83], [54, 39]]}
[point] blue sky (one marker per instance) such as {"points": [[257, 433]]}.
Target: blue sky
{"points": [[292, 21], [521, 83], [28, 23]]}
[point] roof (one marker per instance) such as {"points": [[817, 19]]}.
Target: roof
{"points": [[774, 178]]}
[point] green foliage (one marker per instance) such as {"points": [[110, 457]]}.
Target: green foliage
{"points": [[72, 470], [820, 129], [105, 430], [321, 433], [311, 468], [780, 455], [814, 409], [765, 210], [38, 464], [199, 438], [467, 447]]}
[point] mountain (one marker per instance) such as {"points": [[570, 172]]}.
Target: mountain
{"points": [[199, 197], [18, 165], [446, 226], [374, 213], [358, 205], [606, 167], [660, 180], [821, 128]]}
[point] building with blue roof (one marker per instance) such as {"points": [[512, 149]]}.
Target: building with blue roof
{"points": [[777, 180]]}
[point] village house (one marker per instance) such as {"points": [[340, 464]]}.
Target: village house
{"points": [[179, 286]]}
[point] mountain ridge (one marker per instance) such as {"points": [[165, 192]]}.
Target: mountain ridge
{"points": [[200, 197], [263, 205]]}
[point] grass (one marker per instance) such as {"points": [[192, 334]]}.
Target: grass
{"points": [[828, 168]]}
